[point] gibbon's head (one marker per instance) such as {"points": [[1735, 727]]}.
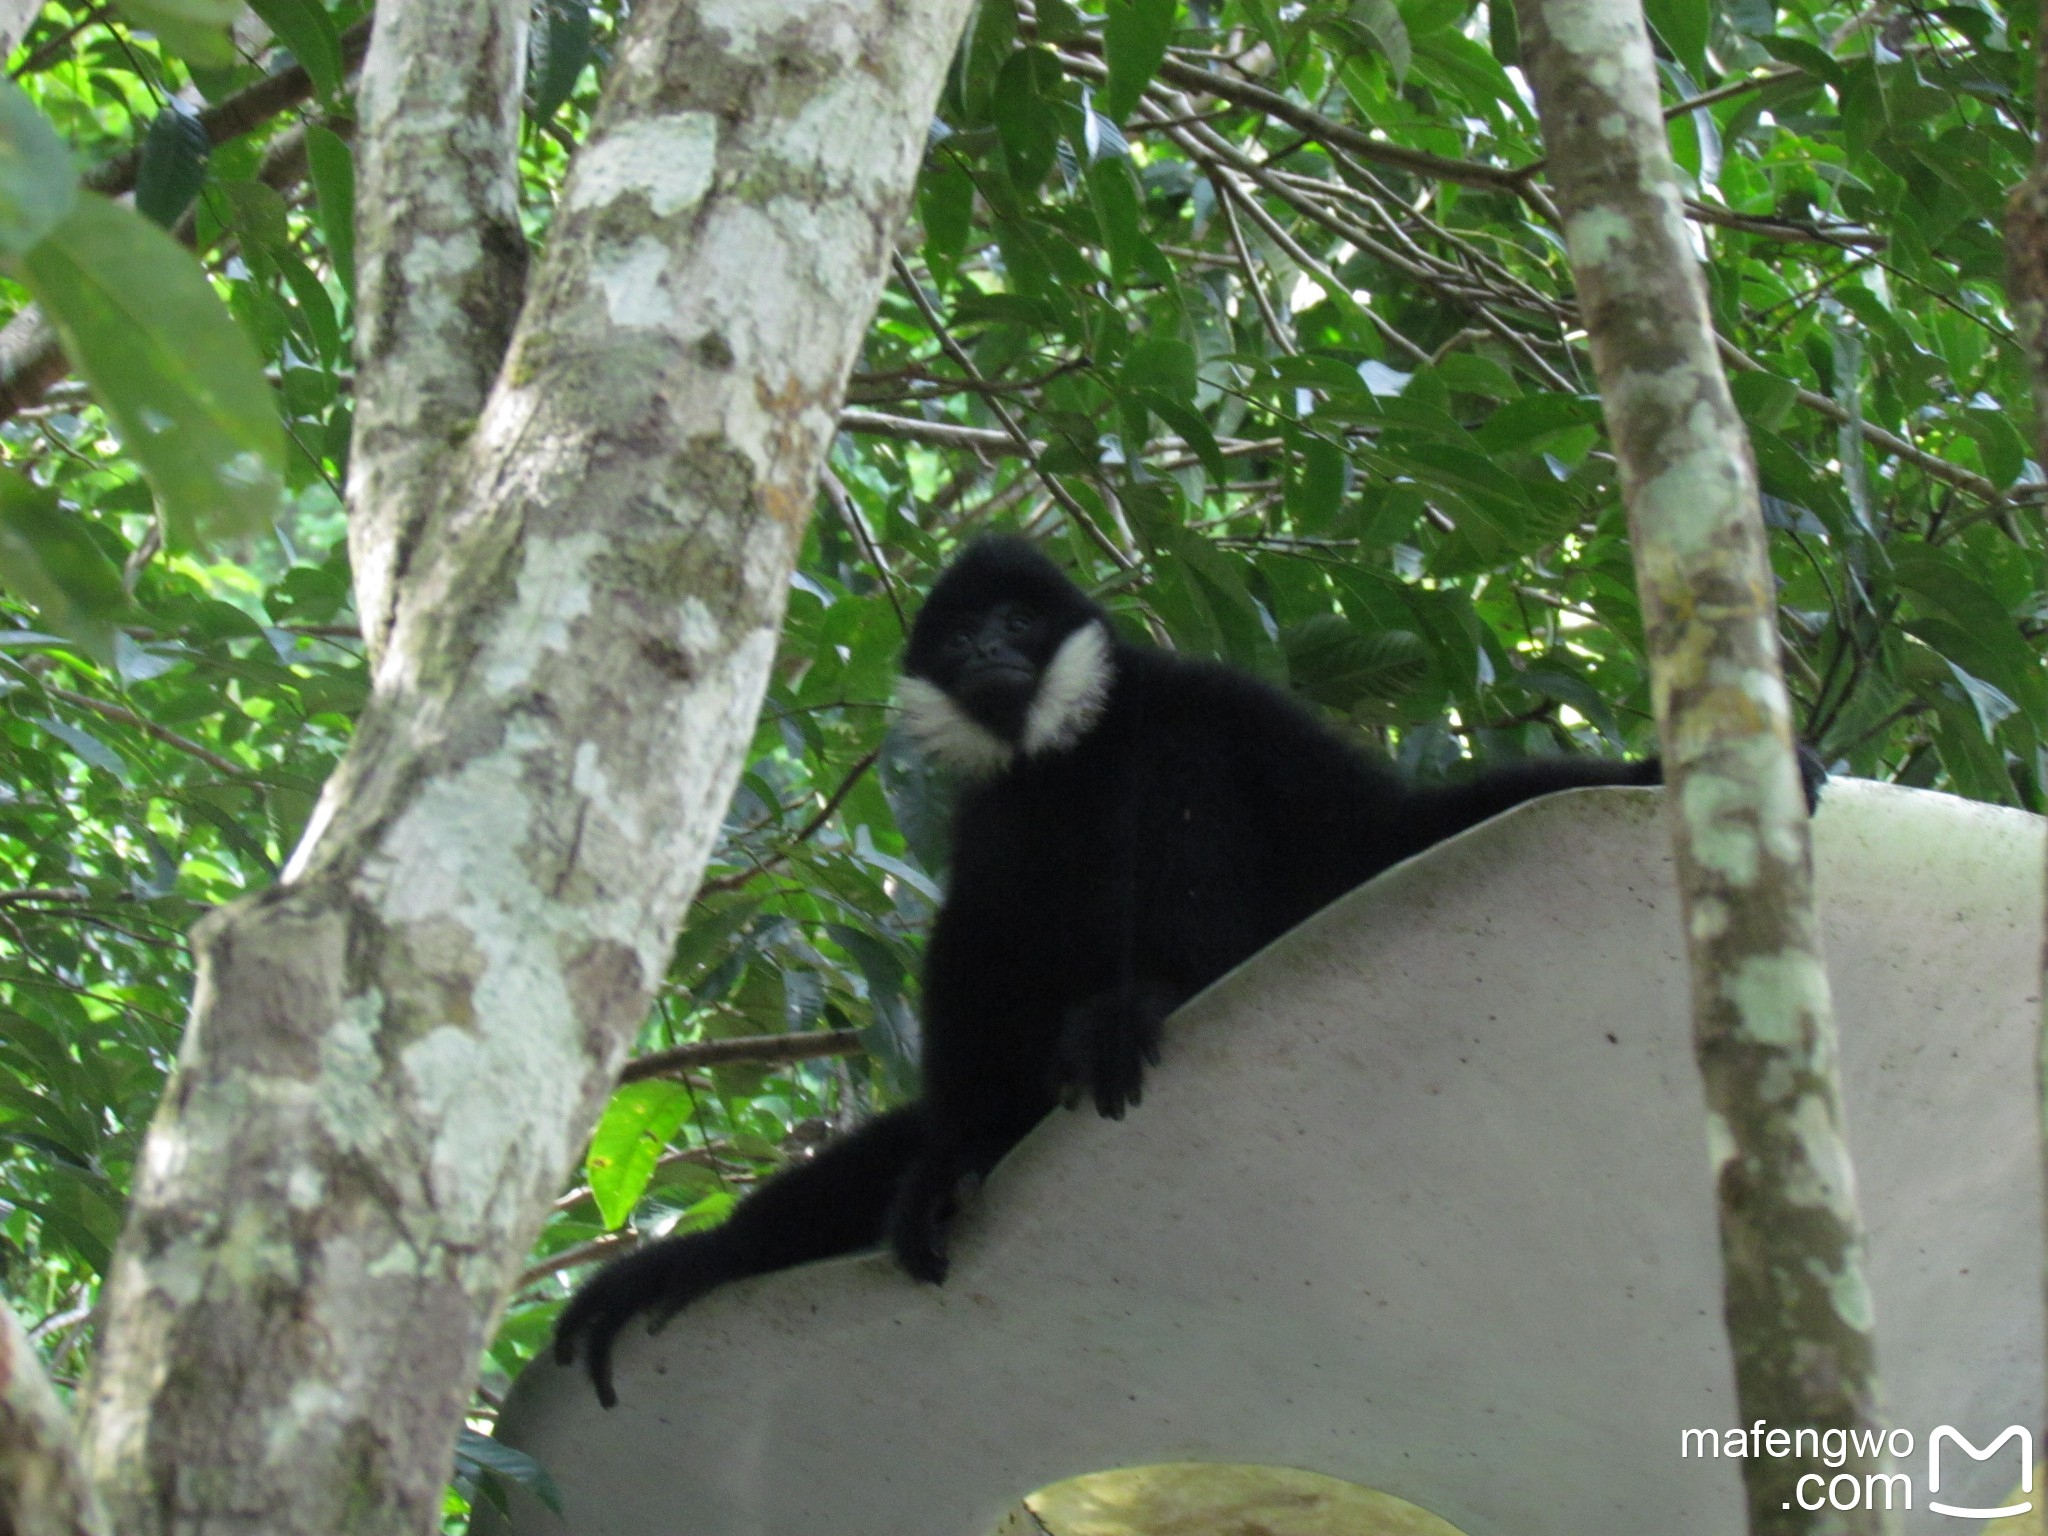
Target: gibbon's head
{"points": [[1007, 657]]}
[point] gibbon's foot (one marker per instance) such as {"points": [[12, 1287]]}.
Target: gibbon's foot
{"points": [[925, 1203], [657, 1282], [920, 1244], [1105, 1045]]}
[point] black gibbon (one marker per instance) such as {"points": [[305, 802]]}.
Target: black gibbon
{"points": [[1131, 825]]}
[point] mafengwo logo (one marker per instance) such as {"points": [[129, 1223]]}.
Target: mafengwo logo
{"points": [[1892, 1489]]}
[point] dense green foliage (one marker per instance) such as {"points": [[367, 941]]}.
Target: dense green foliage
{"points": [[1253, 310]]}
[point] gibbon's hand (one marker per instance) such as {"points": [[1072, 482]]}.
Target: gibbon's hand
{"points": [[657, 1281], [1106, 1043]]}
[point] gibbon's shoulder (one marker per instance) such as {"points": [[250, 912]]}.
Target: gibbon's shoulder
{"points": [[1213, 698]]}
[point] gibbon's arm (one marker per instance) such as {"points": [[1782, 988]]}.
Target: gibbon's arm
{"points": [[1442, 811], [1451, 808], [836, 1203]]}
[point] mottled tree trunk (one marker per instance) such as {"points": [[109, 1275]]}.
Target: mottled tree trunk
{"points": [[441, 271], [2026, 260], [575, 572], [1798, 1309], [43, 1489], [16, 17]]}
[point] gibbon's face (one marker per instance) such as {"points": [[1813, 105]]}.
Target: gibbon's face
{"points": [[1007, 656]]}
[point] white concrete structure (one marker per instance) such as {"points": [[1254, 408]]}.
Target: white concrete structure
{"points": [[1419, 1199]]}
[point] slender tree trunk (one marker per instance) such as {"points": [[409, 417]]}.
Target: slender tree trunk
{"points": [[2026, 259], [16, 17], [444, 267], [43, 1490], [394, 1054], [1798, 1309]]}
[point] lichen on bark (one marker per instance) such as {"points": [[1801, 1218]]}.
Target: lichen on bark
{"points": [[574, 567], [1797, 1305]]}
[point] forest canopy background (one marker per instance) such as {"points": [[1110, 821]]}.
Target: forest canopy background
{"points": [[1257, 313]]}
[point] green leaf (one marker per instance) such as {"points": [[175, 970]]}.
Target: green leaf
{"points": [[1683, 25], [233, 833], [1963, 619], [945, 201], [334, 183], [1201, 594], [173, 165], [1059, 22], [1527, 425], [1752, 18], [1452, 62], [48, 556], [1333, 663], [1315, 491], [1477, 376], [258, 214], [195, 30], [87, 746], [1381, 21], [989, 44], [184, 387], [1309, 371], [561, 48], [1794, 50], [1991, 704], [1134, 37], [38, 183], [1188, 422], [637, 1127], [1764, 399], [2003, 449], [1863, 105], [315, 307], [475, 1453], [1023, 105], [1113, 193], [1163, 363], [308, 31], [1504, 34]]}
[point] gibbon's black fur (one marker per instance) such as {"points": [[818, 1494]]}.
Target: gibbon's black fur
{"points": [[1132, 825]]}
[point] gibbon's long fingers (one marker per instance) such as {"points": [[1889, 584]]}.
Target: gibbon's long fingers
{"points": [[661, 1279], [596, 1334]]}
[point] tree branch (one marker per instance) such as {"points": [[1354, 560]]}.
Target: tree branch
{"points": [[31, 361], [743, 1050], [122, 715], [248, 109], [1792, 1240], [440, 268], [1017, 434], [488, 892], [44, 1490]]}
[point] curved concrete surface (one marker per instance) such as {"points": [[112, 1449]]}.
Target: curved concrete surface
{"points": [[1420, 1200]]}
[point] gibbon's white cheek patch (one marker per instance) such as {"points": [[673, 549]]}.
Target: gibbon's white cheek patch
{"points": [[1069, 700], [946, 732], [1071, 695]]}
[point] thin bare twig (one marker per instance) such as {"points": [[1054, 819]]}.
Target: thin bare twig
{"points": [[857, 525], [1018, 435], [749, 1050], [610, 1246], [804, 834], [122, 715]]}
